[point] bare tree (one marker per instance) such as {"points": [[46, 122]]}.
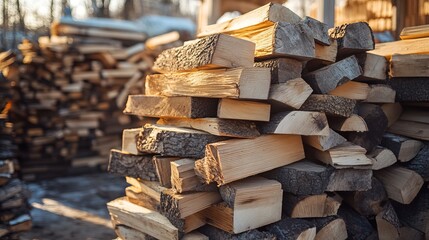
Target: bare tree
{"points": [[5, 24], [51, 13], [100, 8], [21, 16]]}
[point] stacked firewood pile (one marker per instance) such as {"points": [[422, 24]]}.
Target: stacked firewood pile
{"points": [[69, 99], [278, 128], [14, 209]]}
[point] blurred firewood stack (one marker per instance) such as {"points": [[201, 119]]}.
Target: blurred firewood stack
{"points": [[14, 209], [70, 92]]}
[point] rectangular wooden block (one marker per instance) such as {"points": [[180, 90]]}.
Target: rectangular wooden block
{"points": [[243, 110], [129, 140]]}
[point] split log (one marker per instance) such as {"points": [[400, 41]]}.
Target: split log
{"points": [[163, 169], [331, 105], [354, 123], [218, 234], [388, 225], [319, 30], [224, 160], [142, 219], [410, 46], [330, 228], [416, 213], [343, 155], [410, 129], [401, 184], [184, 179], [374, 67], [409, 65], [149, 188], [404, 148], [297, 122], [307, 206], [352, 90], [137, 166], [381, 158], [282, 69], [358, 227], [258, 18], [302, 178], [328, 78], [381, 93], [291, 40], [243, 110], [367, 203], [173, 141], [185, 107], [411, 89], [134, 195], [243, 83], [293, 229], [392, 111], [376, 121], [289, 95], [324, 143], [350, 180], [179, 206], [324, 55], [215, 126], [332, 204], [414, 32], [249, 204], [420, 163], [194, 235], [215, 51], [353, 38], [127, 233]]}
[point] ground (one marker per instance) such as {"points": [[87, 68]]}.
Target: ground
{"points": [[72, 208]]}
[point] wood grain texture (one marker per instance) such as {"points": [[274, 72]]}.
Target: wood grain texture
{"points": [[282, 69], [319, 30], [324, 143], [291, 94], [214, 51], [409, 65], [374, 67], [247, 83], [297, 122], [410, 46], [330, 105], [137, 166], [173, 141], [154, 106], [243, 110], [330, 77], [404, 148]]}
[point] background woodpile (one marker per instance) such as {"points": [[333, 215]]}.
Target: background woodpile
{"points": [[14, 209], [69, 95], [319, 138]]}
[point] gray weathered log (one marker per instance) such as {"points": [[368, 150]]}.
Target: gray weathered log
{"points": [[319, 30], [420, 163], [350, 180], [410, 89], [136, 166], [404, 148], [331, 105], [289, 228], [358, 227], [176, 142], [282, 69], [353, 38]]}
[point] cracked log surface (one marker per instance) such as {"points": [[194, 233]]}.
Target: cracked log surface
{"points": [[331, 105], [136, 166]]}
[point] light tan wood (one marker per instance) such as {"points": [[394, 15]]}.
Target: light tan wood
{"points": [[91, 76], [401, 184], [297, 122], [346, 154], [291, 94], [250, 203], [336, 230], [183, 176], [410, 129], [97, 32], [381, 93], [415, 115], [381, 158], [136, 196], [215, 126], [411, 46], [245, 83], [215, 51], [392, 111], [243, 110], [414, 32], [332, 204], [354, 123], [352, 90], [404, 148], [186, 204], [129, 140], [127, 233], [154, 42], [163, 169], [118, 73], [311, 206], [152, 189], [258, 18], [324, 143], [194, 236], [231, 160], [410, 65], [327, 53], [185, 107], [142, 219], [374, 67]]}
